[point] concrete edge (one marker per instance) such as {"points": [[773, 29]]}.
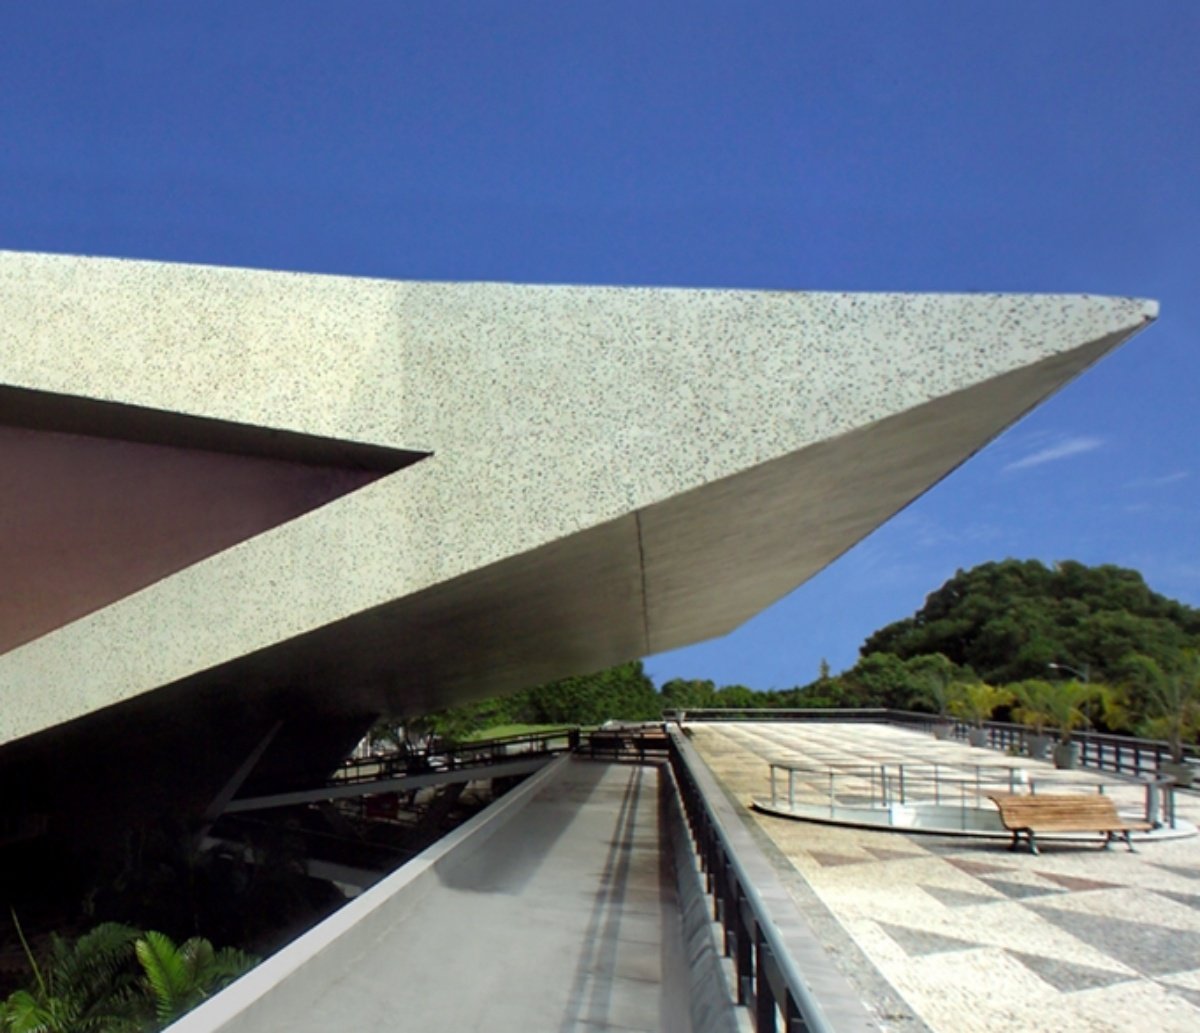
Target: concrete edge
{"points": [[710, 998], [232, 1002], [841, 1004]]}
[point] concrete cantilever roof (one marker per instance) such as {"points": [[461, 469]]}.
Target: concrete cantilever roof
{"points": [[599, 473]]}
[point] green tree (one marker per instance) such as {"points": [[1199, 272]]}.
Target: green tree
{"points": [[933, 675], [737, 697], [1008, 620], [879, 680], [683, 694]]}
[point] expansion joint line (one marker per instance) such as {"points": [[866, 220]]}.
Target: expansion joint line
{"points": [[637, 517]]}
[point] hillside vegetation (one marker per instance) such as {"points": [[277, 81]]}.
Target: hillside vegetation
{"points": [[1016, 625]]}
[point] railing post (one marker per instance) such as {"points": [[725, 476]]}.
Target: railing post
{"points": [[744, 959], [764, 999]]}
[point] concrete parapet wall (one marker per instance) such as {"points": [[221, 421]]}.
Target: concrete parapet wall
{"points": [[332, 947], [710, 1000]]}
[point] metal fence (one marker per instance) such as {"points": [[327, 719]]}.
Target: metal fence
{"points": [[1121, 754], [767, 980]]}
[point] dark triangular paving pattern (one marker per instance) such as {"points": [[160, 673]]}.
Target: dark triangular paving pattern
{"points": [[1020, 890], [1186, 899], [917, 942], [977, 867], [1151, 949], [891, 855], [1175, 869], [958, 898], [829, 860], [1073, 882], [1066, 977]]}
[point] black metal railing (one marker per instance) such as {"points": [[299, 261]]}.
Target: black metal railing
{"points": [[767, 980], [1102, 751], [637, 743], [452, 757]]}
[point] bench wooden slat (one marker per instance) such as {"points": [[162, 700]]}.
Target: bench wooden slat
{"points": [[1062, 812]]}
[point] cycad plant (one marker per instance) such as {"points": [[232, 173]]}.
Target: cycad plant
{"points": [[975, 702], [1033, 704], [1068, 705], [89, 986], [180, 977], [1035, 708]]}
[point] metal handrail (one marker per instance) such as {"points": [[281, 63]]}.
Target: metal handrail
{"points": [[768, 980], [357, 769], [1102, 751]]}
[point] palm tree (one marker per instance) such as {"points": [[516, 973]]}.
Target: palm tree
{"points": [[975, 702], [1068, 706], [1171, 701], [180, 977], [1033, 704]]}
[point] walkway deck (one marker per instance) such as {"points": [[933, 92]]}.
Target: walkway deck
{"points": [[563, 918], [973, 937]]}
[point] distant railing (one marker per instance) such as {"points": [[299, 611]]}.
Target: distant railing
{"points": [[837, 789], [630, 742], [435, 757], [1122, 754], [767, 980]]}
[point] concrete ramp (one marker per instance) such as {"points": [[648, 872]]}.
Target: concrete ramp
{"points": [[556, 909]]}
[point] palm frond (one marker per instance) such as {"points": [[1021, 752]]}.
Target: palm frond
{"points": [[166, 972]]}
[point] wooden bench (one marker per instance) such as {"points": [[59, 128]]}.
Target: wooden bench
{"points": [[1028, 814]]}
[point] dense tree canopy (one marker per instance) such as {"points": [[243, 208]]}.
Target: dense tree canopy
{"points": [[1009, 620], [983, 642]]}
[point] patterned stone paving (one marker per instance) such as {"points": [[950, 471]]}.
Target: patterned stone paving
{"points": [[971, 936]]}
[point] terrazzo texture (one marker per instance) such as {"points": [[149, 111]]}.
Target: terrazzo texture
{"points": [[972, 936], [689, 456]]}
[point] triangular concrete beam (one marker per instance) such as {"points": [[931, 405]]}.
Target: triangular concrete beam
{"points": [[610, 472]]}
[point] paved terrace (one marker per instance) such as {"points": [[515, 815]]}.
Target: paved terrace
{"points": [[969, 935]]}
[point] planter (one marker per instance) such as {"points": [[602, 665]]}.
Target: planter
{"points": [[1066, 755], [1038, 746], [942, 730], [978, 737], [1183, 774]]}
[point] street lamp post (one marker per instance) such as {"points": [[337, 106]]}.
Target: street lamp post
{"points": [[1082, 675]]}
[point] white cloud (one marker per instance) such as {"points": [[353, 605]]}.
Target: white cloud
{"points": [[1159, 482], [1053, 453]]}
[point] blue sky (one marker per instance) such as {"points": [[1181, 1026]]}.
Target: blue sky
{"points": [[1024, 146]]}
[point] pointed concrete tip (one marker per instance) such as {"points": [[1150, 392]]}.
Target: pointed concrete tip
{"points": [[689, 455]]}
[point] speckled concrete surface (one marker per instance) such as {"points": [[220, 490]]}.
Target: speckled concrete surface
{"points": [[971, 935], [650, 443]]}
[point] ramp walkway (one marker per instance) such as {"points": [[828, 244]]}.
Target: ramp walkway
{"points": [[559, 911]]}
